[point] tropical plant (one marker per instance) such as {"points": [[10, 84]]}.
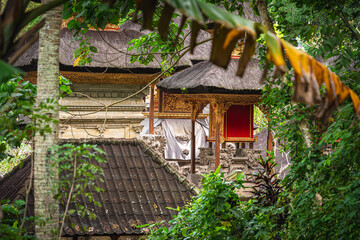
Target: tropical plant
{"points": [[10, 223], [267, 187], [213, 214]]}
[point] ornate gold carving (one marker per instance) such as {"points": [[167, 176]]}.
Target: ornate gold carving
{"points": [[230, 98], [100, 78], [217, 110], [197, 107], [174, 115], [236, 53], [173, 103]]}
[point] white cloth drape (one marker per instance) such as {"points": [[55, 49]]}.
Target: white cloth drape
{"points": [[178, 135]]}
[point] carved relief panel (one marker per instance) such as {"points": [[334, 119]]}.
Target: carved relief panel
{"points": [[173, 103]]}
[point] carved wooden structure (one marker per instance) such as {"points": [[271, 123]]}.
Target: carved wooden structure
{"points": [[229, 97], [219, 131]]}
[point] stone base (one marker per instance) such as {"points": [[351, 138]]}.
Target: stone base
{"points": [[195, 179]]}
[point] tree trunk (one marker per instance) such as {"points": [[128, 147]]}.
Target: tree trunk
{"points": [[264, 15], [266, 20], [45, 184]]}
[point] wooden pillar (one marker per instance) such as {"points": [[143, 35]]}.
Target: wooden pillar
{"points": [[161, 96], [251, 145], [197, 107], [210, 148], [193, 146], [217, 144], [151, 110], [242, 145], [237, 145], [219, 108]]}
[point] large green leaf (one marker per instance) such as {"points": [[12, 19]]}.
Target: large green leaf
{"points": [[230, 29], [190, 8], [229, 20], [6, 71]]}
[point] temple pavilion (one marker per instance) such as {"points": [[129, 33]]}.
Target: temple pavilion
{"points": [[108, 79], [231, 100]]}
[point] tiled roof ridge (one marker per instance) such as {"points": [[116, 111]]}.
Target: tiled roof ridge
{"points": [[165, 164], [147, 149], [16, 168], [19, 190]]}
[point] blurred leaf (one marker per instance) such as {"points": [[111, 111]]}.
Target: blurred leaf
{"points": [[6, 71]]}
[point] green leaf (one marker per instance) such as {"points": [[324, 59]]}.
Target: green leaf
{"points": [[6, 71], [190, 8], [93, 49]]}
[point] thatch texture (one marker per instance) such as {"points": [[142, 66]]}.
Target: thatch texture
{"points": [[205, 77], [112, 55]]}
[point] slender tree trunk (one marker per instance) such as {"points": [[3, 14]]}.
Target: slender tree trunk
{"points": [[264, 15], [267, 21], [46, 207]]}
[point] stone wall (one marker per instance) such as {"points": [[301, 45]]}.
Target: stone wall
{"points": [[91, 112]]}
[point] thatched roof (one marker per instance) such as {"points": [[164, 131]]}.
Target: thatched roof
{"points": [[112, 55], [205, 77]]}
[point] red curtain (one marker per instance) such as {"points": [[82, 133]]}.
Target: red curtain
{"points": [[238, 121]]}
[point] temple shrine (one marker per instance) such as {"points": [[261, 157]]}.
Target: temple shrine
{"points": [[96, 109], [231, 101]]}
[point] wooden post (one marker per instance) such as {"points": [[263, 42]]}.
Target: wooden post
{"points": [[251, 145], [237, 145], [151, 110], [210, 148], [196, 108], [219, 109], [242, 145], [217, 144], [193, 144], [161, 95]]}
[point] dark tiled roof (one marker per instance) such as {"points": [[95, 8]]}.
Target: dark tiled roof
{"points": [[13, 184], [139, 187], [205, 77]]}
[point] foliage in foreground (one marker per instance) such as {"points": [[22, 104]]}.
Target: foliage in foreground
{"points": [[210, 215], [323, 189], [78, 172], [217, 213], [9, 225]]}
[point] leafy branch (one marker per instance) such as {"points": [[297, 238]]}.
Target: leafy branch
{"points": [[310, 74]]}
